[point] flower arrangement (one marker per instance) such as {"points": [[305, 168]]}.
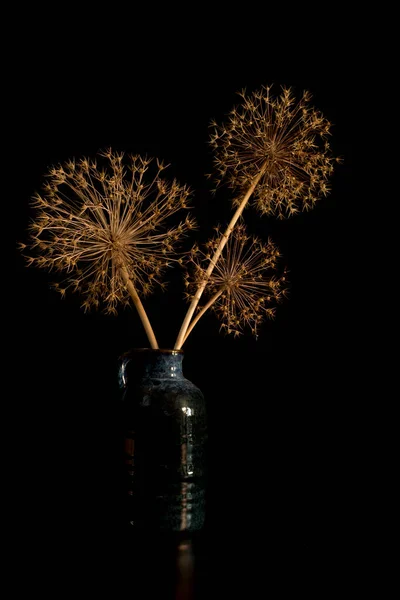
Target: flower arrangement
{"points": [[106, 222]]}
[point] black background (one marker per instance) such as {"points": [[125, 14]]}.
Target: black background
{"points": [[282, 409]]}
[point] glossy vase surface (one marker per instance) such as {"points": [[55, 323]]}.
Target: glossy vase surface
{"points": [[165, 434]]}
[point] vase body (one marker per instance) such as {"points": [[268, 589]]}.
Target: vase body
{"points": [[164, 437]]}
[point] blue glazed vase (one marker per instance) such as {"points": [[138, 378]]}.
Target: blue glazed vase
{"points": [[165, 434]]}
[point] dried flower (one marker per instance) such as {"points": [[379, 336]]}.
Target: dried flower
{"points": [[105, 226], [243, 287], [285, 140]]}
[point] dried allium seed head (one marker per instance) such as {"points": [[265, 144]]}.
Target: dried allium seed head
{"points": [[245, 276], [286, 140], [92, 220]]}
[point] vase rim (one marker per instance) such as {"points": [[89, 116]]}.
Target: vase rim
{"points": [[158, 350]]}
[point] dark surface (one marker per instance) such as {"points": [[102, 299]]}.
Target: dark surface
{"points": [[284, 412]]}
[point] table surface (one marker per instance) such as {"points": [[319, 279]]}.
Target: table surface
{"points": [[254, 544]]}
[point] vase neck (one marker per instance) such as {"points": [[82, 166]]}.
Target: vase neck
{"points": [[137, 365]]}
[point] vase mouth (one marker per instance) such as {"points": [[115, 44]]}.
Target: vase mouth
{"points": [[157, 350]]}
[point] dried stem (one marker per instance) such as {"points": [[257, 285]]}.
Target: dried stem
{"points": [[139, 307], [202, 311], [225, 236]]}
